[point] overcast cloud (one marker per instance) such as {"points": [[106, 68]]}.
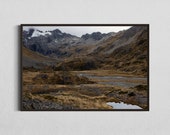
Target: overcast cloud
{"points": [[80, 30]]}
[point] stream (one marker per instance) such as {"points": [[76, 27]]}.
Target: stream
{"points": [[121, 81]]}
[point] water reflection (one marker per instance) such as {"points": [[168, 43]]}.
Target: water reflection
{"points": [[123, 105]]}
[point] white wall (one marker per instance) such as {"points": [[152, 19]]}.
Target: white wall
{"points": [[154, 12]]}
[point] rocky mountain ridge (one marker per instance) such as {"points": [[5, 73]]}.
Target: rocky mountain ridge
{"points": [[49, 42]]}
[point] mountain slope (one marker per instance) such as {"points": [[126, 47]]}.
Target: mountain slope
{"points": [[134, 56], [36, 60], [127, 51]]}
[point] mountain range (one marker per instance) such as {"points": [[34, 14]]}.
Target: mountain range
{"points": [[51, 42], [125, 50]]}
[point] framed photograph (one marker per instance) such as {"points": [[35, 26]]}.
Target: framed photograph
{"points": [[85, 67]]}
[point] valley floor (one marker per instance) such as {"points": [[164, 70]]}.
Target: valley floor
{"points": [[91, 90]]}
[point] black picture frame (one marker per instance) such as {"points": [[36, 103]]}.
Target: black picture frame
{"points": [[124, 110]]}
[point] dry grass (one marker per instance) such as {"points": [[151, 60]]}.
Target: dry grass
{"points": [[79, 101], [78, 96], [75, 100]]}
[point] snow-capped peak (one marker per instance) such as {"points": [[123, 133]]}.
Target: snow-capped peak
{"points": [[38, 33]]}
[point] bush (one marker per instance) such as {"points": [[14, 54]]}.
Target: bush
{"points": [[141, 87], [123, 92], [130, 94], [40, 78]]}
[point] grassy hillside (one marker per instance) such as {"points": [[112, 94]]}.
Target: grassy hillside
{"points": [[132, 57], [34, 59]]}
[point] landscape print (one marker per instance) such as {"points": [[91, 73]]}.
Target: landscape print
{"points": [[85, 67]]}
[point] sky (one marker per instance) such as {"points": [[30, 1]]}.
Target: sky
{"points": [[80, 30]]}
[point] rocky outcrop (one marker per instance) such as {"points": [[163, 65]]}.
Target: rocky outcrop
{"points": [[29, 103]]}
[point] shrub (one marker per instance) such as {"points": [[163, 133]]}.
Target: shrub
{"points": [[141, 87], [123, 92], [130, 94]]}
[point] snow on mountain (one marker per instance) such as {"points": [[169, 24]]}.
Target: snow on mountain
{"points": [[38, 33]]}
